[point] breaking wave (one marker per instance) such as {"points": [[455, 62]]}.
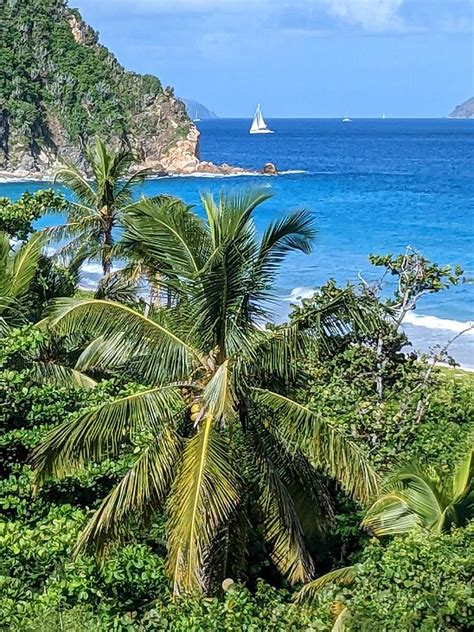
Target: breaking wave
{"points": [[433, 322]]}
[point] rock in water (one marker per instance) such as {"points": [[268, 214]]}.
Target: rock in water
{"points": [[269, 169]]}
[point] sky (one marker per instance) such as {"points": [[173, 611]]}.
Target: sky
{"points": [[298, 58]]}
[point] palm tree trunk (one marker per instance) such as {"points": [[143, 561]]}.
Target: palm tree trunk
{"points": [[107, 245]]}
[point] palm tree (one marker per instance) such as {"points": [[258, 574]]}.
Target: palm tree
{"points": [[17, 271], [99, 203], [216, 423], [417, 496]]}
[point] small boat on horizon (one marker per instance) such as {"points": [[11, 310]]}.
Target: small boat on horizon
{"points": [[346, 119], [383, 116], [259, 125], [196, 117]]}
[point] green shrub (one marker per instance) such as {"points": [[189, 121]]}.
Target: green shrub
{"points": [[418, 582]]}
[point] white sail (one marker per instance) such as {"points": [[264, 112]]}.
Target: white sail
{"points": [[258, 124]]}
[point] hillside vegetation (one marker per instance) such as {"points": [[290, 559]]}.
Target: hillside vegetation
{"points": [[59, 88]]}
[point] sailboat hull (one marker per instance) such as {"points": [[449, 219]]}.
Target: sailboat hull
{"points": [[261, 131]]}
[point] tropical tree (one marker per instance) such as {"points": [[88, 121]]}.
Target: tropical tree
{"points": [[217, 437], [98, 204], [421, 496], [17, 271]]}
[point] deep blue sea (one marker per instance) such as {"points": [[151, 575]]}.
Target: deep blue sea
{"points": [[375, 186]]}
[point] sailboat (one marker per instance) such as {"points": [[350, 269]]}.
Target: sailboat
{"points": [[383, 116], [258, 124], [196, 117], [346, 119]]}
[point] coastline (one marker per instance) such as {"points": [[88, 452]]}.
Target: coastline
{"points": [[202, 169]]}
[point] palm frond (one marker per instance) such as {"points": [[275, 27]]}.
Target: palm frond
{"points": [[282, 524], [70, 176], [24, 264], [203, 497], [174, 239], [117, 287], [98, 433], [293, 232], [342, 619], [125, 189], [463, 479], [72, 229], [229, 218], [390, 515], [218, 395], [344, 576], [60, 375], [137, 496], [159, 353], [326, 322], [324, 445]]}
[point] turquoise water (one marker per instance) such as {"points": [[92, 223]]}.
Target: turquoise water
{"points": [[373, 185]]}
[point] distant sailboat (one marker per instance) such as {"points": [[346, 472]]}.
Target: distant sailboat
{"points": [[383, 116], [196, 117], [258, 124], [346, 119]]}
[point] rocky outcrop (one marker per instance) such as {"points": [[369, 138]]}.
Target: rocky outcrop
{"points": [[464, 111], [269, 169]]}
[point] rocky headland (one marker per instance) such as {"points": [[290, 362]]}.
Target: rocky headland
{"points": [[464, 110], [61, 88]]}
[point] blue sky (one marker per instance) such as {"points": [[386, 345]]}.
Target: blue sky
{"points": [[298, 57]]}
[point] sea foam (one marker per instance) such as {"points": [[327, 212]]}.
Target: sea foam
{"points": [[433, 322]]}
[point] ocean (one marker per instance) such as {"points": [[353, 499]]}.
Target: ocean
{"points": [[374, 186]]}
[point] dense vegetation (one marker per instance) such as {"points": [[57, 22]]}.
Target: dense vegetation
{"points": [[167, 463], [59, 87]]}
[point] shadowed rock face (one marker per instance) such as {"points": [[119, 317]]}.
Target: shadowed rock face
{"points": [[464, 111]]}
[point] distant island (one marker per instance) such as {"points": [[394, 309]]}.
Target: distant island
{"points": [[196, 110], [464, 111], [61, 88]]}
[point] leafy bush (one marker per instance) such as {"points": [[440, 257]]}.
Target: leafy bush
{"points": [[266, 609], [419, 582], [17, 218]]}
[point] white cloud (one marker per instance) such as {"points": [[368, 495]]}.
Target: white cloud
{"points": [[319, 16], [369, 14]]}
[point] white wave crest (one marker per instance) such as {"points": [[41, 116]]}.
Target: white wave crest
{"points": [[202, 174], [297, 294], [253, 174], [290, 171], [433, 322]]}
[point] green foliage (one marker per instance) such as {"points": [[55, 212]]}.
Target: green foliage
{"points": [[366, 383], [265, 609], [236, 444], [209, 369], [17, 218], [417, 274], [419, 582], [36, 570]]}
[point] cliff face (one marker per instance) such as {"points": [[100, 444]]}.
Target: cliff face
{"points": [[464, 111], [59, 88]]}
